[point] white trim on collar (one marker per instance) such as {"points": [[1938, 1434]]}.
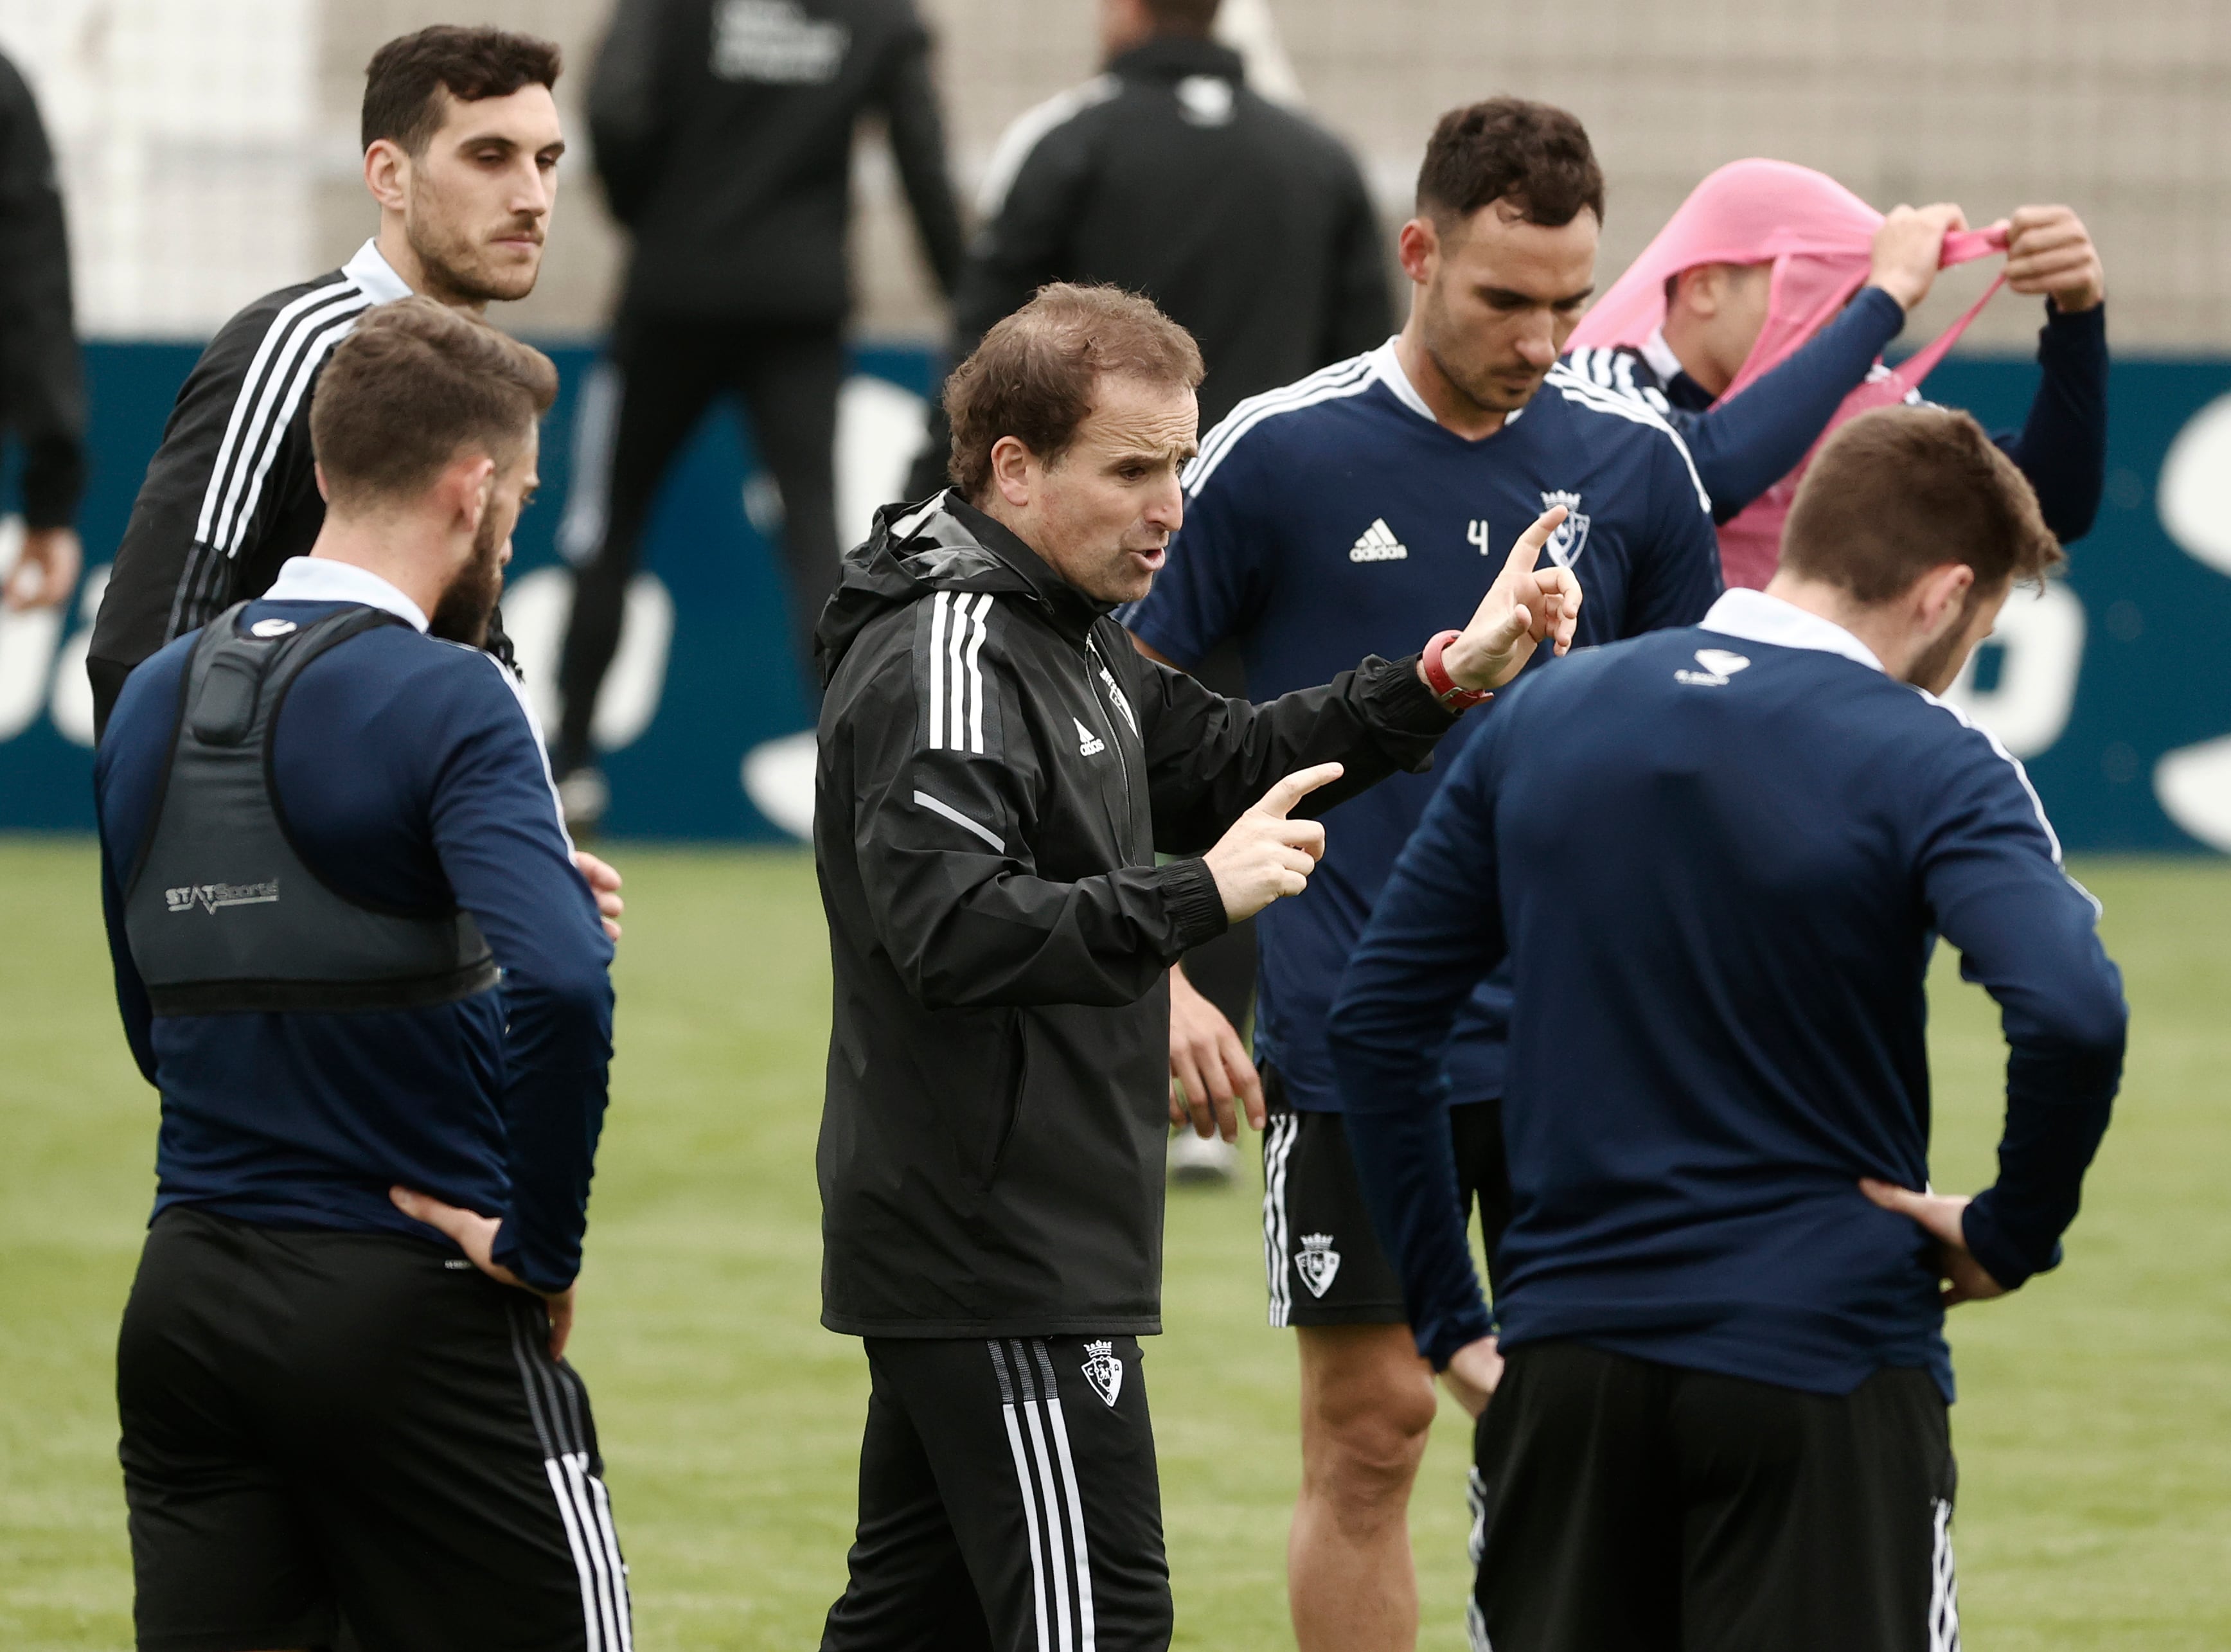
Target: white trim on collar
{"points": [[1386, 367], [1757, 617], [1660, 357], [327, 579], [371, 272]]}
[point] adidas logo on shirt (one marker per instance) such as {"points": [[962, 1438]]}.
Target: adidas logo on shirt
{"points": [[1088, 743], [1378, 545]]}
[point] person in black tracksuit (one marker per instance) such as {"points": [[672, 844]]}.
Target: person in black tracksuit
{"points": [[997, 769], [1247, 223], [232, 493], [723, 134], [42, 380]]}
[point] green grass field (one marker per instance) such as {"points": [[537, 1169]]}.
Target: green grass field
{"points": [[2095, 1428]]}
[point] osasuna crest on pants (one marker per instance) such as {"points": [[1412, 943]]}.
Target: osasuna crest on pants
{"points": [[1103, 1370], [1317, 1263]]}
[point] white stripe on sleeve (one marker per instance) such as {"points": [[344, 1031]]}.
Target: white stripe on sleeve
{"points": [[939, 605]]}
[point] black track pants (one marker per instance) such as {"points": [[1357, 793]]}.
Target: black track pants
{"points": [[1621, 1503], [669, 371], [355, 1436], [1008, 1502]]}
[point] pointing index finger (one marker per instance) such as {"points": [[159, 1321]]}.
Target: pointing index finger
{"points": [[1526, 554], [1284, 794]]}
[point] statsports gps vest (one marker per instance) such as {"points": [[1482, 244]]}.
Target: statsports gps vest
{"points": [[222, 913]]}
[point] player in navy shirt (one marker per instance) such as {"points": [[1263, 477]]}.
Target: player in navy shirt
{"points": [[1336, 515], [354, 954], [1719, 858]]}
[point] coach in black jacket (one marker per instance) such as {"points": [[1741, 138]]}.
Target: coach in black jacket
{"points": [[999, 767]]}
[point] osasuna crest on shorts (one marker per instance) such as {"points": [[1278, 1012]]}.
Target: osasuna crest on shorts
{"points": [[1103, 1370], [1317, 1263]]}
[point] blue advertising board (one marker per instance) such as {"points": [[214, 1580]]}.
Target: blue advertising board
{"points": [[2108, 686]]}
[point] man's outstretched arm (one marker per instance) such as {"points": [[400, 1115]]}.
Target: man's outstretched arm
{"points": [[1208, 756]]}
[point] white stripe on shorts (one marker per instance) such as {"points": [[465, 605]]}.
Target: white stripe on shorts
{"points": [[1944, 1587], [1277, 1149]]}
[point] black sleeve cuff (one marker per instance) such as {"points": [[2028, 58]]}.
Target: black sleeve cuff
{"points": [[509, 1252], [1989, 1244], [1409, 720], [1440, 1343], [1196, 904], [2075, 325]]}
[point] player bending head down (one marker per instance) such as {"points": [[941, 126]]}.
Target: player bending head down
{"points": [[426, 434], [1756, 319], [354, 956], [1502, 254], [1719, 859]]}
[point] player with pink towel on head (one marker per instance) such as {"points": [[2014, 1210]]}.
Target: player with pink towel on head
{"points": [[1756, 321]]}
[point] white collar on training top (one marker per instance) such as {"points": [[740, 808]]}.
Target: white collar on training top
{"points": [[1660, 357], [376, 275], [1386, 367], [324, 580], [1758, 617]]}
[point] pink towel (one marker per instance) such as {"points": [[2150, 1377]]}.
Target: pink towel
{"points": [[1818, 235]]}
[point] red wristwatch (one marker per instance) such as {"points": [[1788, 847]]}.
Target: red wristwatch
{"points": [[1444, 687]]}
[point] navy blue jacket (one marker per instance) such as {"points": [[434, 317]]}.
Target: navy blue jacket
{"points": [[1718, 858], [1337, 517], [1751, 441], [408, 776]]}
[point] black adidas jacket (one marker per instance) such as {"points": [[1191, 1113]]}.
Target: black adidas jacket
{"points": [[723, 134], [997, 768], [232, 492], [42, 380]]}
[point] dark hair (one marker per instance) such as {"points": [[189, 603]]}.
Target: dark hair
{"points": [[1192, 18], [1034, 376], [413, 385], [1900, 490], [1509, 149], [404, 83]]}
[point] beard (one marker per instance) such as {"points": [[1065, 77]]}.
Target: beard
{"points": [[1490, 392], [1935, 666], [455, 271], [469, 604]]}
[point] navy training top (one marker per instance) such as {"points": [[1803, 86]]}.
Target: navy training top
{"points": [[1337, 517], [410, 776], [1745, 444], [1719, 859]]}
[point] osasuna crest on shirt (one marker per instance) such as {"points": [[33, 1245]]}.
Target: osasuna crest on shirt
{"points": [[1317, 1263], [1572, 535], [1337, 517], [1103, 1370]]}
